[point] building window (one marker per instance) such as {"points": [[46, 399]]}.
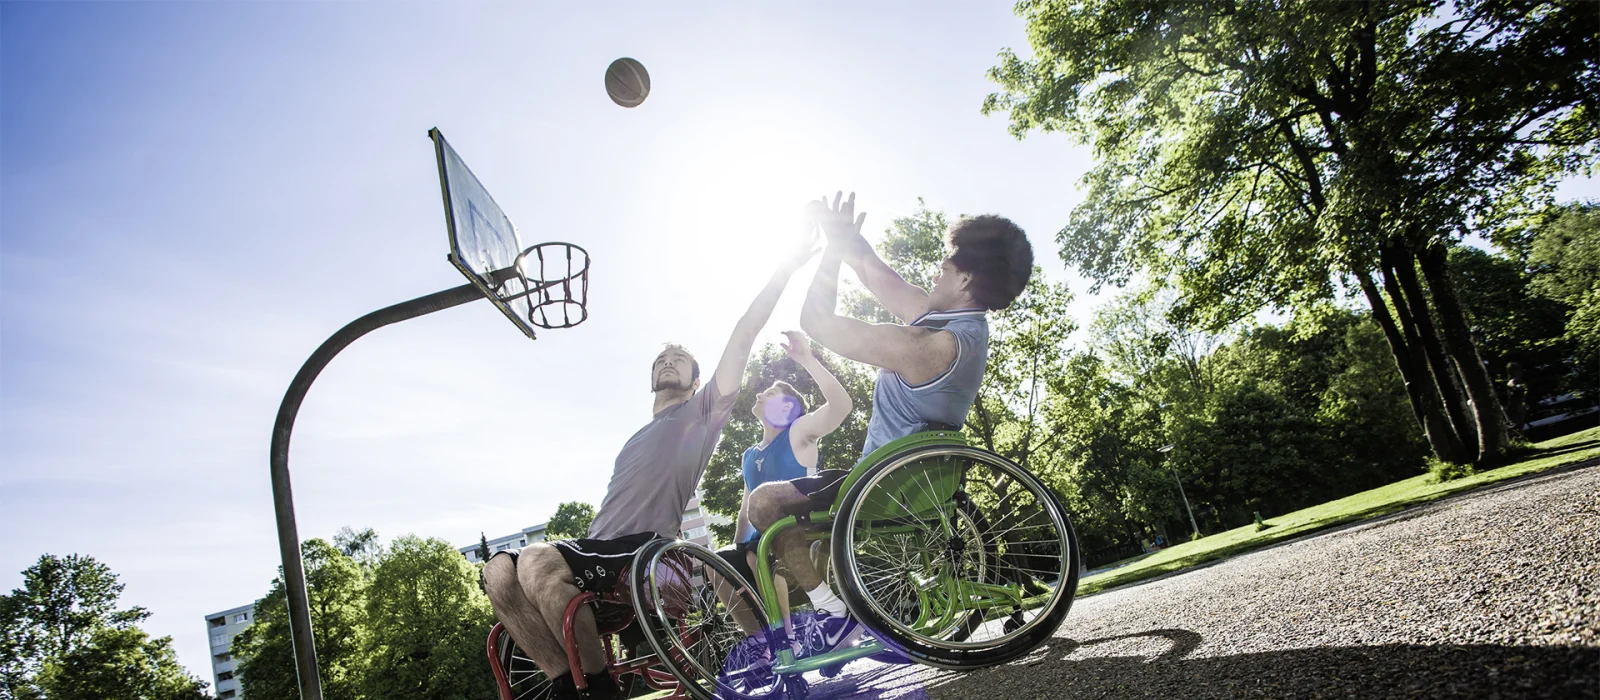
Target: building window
{"points": [[224, 695], [224, 658], [503, 547], [522, 543], [691, 513], [218, 640], [225, 676], [241, 617], [218, 621]]}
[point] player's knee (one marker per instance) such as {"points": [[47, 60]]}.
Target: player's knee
{"points": [[765, 506], [499, 579], [543, 573]]}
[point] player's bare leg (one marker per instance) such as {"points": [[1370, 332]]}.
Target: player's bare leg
{"points": [[520, 617], [770, 503], [546, 580]]}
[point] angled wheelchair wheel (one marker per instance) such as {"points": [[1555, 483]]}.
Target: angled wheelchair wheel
{"points": [[956, 556], [693, 627], [517, 676]]}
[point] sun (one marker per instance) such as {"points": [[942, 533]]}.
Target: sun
{"points": [[760, 178]]}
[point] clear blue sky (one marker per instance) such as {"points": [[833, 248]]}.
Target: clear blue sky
{"points": [[197, 194]]}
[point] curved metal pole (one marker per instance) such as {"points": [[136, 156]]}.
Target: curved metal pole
{"points": [[294, 578]]}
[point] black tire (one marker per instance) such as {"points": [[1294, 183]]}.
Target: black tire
{"points": [[691, 631], [527, 682], [1027, 543]]}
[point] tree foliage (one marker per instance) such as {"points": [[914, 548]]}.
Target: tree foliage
{"points": [[336, 590], [428, 621], [1261, 154], [64, 636], [403, 621], [571, 521], [1564, 261], [115, 663], [1268, 417]]}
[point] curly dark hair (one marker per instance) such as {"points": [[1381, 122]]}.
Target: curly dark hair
{"points": [[996, 252]]}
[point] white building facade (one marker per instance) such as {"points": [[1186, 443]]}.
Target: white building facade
{"points": [[221, 628]]}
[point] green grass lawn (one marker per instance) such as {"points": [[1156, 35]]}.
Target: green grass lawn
{"points": [[1577, 447]]}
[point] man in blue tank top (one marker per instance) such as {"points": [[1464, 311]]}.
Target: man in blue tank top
{"points": [[930, 367], [788, 450]]}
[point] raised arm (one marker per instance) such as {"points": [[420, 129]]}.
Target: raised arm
{"points": [[843, 228], [916, 354], [729, 374], [836, 404]]}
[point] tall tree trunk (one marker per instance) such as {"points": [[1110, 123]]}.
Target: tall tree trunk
{"points": [[1486, 409], [1419, 386], [1456, 448], [1403, 264]]}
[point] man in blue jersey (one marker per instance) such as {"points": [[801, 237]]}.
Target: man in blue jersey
{"points": [[788, 450], [790, 439], [930, 366]]}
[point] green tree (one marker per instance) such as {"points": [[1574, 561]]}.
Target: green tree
{"points": [[63, 601], [571, 521], [1564, 260], [16, 682], [428, 621], [1518, 330], [1110, 472], [483, 547], [113, 663], [64, 636], [336, 588], [365, 548], [1267, 418], [1253, 155]]}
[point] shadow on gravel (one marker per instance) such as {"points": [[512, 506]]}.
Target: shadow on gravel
{"points": [[1157, 664]]}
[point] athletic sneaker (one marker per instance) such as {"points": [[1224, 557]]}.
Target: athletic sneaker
{"points": [[835, 631]]}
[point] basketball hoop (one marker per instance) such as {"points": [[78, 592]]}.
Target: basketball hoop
{"points": [[554, 277]]}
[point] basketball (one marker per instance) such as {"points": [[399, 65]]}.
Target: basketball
{"points": [[627, 82]]}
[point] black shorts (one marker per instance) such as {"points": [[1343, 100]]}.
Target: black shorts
{"points": [[735, 556], [822, 487], [597, 565]]}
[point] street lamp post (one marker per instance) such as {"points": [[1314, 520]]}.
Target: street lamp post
{"points": [[1185, 498]]}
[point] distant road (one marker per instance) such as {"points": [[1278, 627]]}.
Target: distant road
{"points": [[1493, 593]]}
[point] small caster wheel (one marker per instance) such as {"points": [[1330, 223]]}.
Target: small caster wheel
{"points": [[796, 688]]}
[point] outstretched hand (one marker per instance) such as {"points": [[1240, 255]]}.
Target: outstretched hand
{"points": [[798, 346], [840, 223], [805, 248]]}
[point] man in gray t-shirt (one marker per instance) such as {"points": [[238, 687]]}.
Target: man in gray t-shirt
{"points": [[654, 477]]}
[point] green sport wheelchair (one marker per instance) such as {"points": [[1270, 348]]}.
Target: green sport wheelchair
{"points": [[949, 555]]}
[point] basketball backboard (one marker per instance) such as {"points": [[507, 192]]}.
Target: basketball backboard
{"points": [[482, 238]]}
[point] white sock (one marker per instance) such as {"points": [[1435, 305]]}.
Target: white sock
{"points": [[823, 599]]}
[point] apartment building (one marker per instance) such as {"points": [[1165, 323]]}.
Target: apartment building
{"points": [[221, 628]]}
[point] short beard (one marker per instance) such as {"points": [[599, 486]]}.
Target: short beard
{"points": [[664, 384]]}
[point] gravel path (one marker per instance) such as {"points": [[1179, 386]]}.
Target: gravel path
{"points": [[1491, 594]]}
